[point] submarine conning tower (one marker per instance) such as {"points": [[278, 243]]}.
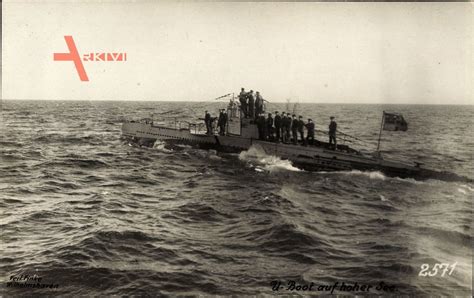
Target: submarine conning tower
{"points": [[238, 125]]}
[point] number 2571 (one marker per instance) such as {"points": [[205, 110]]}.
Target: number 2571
{"points": [[440, 268]]}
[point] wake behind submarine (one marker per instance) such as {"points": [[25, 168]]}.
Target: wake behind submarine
{"points": [[240, 132]]}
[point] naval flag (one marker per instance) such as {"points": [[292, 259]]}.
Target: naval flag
{"points": [[394, 122]]}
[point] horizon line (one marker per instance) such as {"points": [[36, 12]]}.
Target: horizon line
{"points": [[277, 102]]}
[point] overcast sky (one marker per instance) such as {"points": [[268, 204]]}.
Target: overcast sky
{"points": [[310, 52]]}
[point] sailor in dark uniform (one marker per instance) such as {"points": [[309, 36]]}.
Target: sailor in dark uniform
{"points": [[283, 127], [277, 126], [251, 105], [226, 117], [258, 103], [294, 129], [287, 127], [261, 126], [332, 132], [301, 129], [310, 128], [221, 122], [207, 121], [269, 124], [243, 101]]}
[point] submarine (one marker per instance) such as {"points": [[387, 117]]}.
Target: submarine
{"points": [[241, 133]]}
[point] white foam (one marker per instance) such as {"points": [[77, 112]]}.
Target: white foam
{"points": [[372, 175], [376, 175], [214, 157], [468, 187], [206, 154], [270, 163], [409, 180], [160, 146], [184, 146]]}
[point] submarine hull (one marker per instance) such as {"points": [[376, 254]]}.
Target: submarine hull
{"points": [[311, 158]]}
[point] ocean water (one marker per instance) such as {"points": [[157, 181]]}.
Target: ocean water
{"points": [[84, 210]]}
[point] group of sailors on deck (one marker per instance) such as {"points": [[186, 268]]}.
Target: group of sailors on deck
{"points": [[286, 128]]}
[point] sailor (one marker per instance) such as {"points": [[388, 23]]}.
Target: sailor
{"points": [[243, 101], [258, 103], [261, 126], [221, 122], [301, 129], [277, 126], [332, 132], [310, 128], [269, 123], [232, 107], [294, 129], [226, 117], [251, 105], [287, 127], [231, 104], [207, 121], [283, 127]]}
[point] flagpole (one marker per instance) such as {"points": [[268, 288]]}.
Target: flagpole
{"points": [[380, 133]]}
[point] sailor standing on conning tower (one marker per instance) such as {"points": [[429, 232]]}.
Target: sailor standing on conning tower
{"points": [[243, 101], [258, 103], [251, 105]]}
